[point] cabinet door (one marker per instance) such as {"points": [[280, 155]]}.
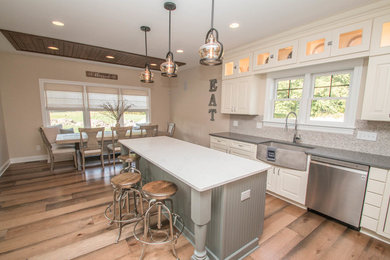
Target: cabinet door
{"points": [[226, 96], [286, 53], [219, 147], [384, 218], [377, 93], [271, 180], [351, 39], [264, 59], [244, 65], [292, 184], [380, 41], [241, 94], [228, 68], [315, 47]]}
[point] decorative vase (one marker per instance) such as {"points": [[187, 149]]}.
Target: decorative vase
{"points": [[117, 124]]}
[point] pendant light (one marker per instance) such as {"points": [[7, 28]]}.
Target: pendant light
{"points": [[211, 52], [147, 75], [169, 67]]}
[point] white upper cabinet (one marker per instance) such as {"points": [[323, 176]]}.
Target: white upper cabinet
{"points": [[240, 96], [351, 39], [315, 47], [376, 103], [279, 55], [237, 67], [380, 40], [344, 40]]}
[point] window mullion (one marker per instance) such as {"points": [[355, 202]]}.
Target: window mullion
{"points": [[86, 115]]}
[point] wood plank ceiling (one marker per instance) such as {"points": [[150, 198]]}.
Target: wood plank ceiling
{"points": [[39, 44]]}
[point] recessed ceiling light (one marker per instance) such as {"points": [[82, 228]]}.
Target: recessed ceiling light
{"points": [[234, 25], [153, 64], [53, 48], [58, 23], [179, 51], [110, 57]]}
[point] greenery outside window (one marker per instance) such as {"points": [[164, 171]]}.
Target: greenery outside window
{"points": [[288, 95]]}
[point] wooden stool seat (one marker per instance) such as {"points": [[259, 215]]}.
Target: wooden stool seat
{"points": [[159, 190], [126, 180], [129, 158]]}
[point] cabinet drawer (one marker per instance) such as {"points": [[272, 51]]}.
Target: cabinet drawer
{"points": [[375, 186], [242, 153], [373, 199], [219, 140], [369, 223], [371, 211], [219, 147], [243, 146], [377, 174]]}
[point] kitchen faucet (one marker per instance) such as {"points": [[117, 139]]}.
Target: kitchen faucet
{"points": [[296, 136]]}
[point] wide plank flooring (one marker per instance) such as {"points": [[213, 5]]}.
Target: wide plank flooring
{"points": [[59, 215]]}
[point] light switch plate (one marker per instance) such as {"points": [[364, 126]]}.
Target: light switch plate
{"points": [[235, 123], [364, 135], [259, 125], [245, 195]]}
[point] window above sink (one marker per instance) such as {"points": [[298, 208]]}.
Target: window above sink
{"points": [[323, 97]]}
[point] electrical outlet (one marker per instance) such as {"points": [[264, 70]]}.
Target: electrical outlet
{"points": [[259, 125], [245, 195], [235, 123], [38, 147], [364, 135]]}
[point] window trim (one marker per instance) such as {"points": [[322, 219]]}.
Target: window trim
{"points": [[86, 111], [355, 67]]}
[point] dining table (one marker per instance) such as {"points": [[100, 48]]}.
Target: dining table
{"points": [[74, 138]]}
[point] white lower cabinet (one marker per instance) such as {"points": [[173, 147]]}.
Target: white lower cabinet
{"points": [[288, 183], [242, 149], [376, 208]]}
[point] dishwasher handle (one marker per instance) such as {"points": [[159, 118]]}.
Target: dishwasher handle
{"points": [[351, 170]]}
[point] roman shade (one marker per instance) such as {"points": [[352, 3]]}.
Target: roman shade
{"points": [[97, 96], [138, 98], [62, 96]]}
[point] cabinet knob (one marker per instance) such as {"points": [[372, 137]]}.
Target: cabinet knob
{"points": [[271, 56], [330, 43]]}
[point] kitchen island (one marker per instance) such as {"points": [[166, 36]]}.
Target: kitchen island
{"points": [[221, 197]]}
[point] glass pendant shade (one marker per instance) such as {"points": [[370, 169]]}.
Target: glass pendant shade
{"points": [[169, 67], [147, 75], [211, 52]]}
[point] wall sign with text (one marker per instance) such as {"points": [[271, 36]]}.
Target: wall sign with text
{"points": [[101, 75], [212, 102]]}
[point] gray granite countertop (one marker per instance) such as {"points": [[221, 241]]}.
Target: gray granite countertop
{"points": [[373, 160]]}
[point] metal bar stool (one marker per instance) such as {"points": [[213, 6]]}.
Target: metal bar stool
{"points": [[127, 183], [131, 158], [159, 192]]}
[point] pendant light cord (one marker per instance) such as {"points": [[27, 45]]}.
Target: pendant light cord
{"points": [[212, 14], [146, 46], [169, 30]]}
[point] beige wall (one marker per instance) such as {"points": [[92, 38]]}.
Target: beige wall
{"points": [[19, 75], [3, 139], [190, 97]]}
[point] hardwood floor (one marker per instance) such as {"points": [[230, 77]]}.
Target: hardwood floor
{"points": [[59, 215]]}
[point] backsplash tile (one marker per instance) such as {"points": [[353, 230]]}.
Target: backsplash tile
{"points": [[247, 125]]}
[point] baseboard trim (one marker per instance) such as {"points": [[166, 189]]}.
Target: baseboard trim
{"points": [[4, 167], [28, 159]]}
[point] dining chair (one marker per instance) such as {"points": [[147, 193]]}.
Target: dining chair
{"points": [[171, 129], [49, 135], [118, 133], [149, 130], [89, 143]]}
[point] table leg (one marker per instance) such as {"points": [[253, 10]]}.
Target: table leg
{"points": [[200, 215], [78, 157]]}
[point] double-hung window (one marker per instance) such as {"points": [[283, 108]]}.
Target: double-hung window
{"points": [[75, 105], [325, 101]]}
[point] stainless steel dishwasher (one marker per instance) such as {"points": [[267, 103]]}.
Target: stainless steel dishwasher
{"points": [[336, 189]]}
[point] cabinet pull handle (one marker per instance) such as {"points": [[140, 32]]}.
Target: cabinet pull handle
{"points": [[273, 170], [278, 171], [330, 43]]}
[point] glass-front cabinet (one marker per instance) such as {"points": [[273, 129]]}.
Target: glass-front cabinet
{"points": [[279, 55], [315, 47], [237, 67], [352, 38], [380, 41], [344, 40]]}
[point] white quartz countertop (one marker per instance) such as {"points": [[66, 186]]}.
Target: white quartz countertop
{"points": [[199, 167]]}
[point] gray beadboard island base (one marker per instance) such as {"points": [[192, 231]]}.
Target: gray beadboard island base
{"points": [[232, 227]]}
